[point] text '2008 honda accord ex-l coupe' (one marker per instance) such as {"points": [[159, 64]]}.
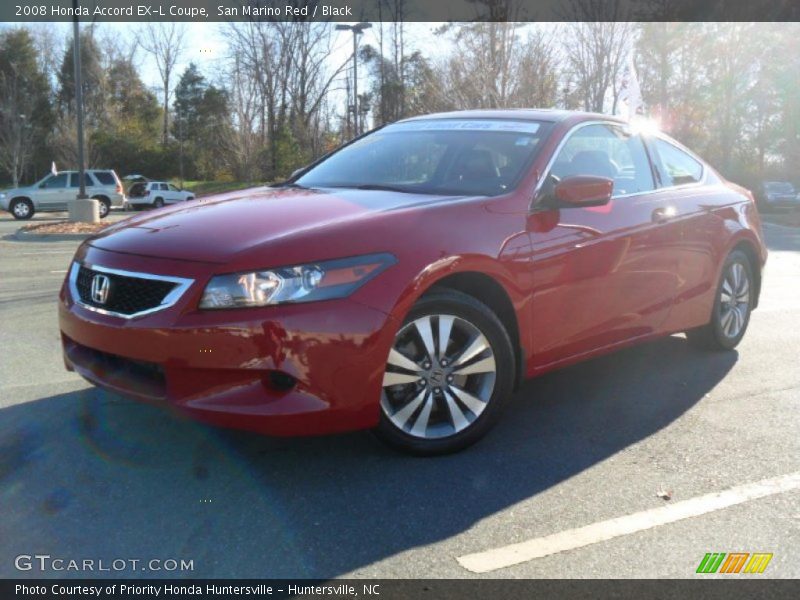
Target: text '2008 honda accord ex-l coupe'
{"points": [[410, 280]]}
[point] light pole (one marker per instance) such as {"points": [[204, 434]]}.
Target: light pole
{"points": [[357, 30], [82, 209]]}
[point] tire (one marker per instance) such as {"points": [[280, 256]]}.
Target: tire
{"points": [[158, 203], [731, 313], [105, 205], [22, 209], [190, 198], [428, 405]]}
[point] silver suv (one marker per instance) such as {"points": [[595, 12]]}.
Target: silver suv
{"points": [[54, 192]]}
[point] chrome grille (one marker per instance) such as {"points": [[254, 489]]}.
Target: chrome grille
{"points": [[130, 294]]}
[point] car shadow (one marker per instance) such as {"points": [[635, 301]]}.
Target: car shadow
{"points": [[87, 474]]}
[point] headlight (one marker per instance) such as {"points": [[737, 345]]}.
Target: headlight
{"points": [[303, 283], [2, 196]]}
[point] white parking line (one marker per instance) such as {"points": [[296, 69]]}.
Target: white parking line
{"points": [[506, 556]]}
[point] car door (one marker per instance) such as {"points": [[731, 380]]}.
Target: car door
{"points": [[163, 191], [74, 184], [175, 195], [686, 185], [601, 275], [53, 192]]}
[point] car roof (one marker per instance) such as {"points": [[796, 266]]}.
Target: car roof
{"points": [[552, 115], [87, 171]]}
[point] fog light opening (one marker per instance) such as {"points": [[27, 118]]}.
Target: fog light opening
{"points": [[283, 382]]}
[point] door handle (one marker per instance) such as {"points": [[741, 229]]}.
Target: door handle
{"points": [[664, 214]]}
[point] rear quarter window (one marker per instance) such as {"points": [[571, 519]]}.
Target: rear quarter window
{"points": [[105, 177], [675, 166]]}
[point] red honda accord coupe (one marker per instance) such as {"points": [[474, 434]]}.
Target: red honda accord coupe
{"points": [[410, 280]]}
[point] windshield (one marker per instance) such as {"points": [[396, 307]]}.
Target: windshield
{"points": [[780, 186], [436, 156]]}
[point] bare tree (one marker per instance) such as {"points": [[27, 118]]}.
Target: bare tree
{"points": [[16, 131], [49, 42], [389, 62], [500, 65], [165, 43], [595, 54], [289, 64]]}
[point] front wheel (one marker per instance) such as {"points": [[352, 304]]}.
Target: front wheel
{"points": [[732, 306], [22, 209], [447, 377]]}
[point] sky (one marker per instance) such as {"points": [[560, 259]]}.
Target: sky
{"points": [[206, 46]]}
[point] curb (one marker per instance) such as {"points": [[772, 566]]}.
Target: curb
{"points": [[24, 236]]}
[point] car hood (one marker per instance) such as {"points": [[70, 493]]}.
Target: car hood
{"points": [[218, 229], [18, 190]]}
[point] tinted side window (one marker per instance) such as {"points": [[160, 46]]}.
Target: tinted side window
{"points": [[74, 180], [105, 177], [164, 187], [677, 167], [606, 151], [56, 181]]}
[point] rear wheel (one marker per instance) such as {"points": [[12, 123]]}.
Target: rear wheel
{"points": [[158, 202], [447, 377], [732, 306], [21, 208], [105, 206]]}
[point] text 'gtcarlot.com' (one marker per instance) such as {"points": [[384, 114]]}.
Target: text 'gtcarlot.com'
{"points": [[46, 562]]}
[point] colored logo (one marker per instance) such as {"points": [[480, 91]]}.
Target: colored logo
{"points": [[734, 562]]}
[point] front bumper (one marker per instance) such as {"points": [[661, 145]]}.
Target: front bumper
{"points": [[231, 367]]}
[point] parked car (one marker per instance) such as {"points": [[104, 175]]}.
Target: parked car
{"points": [[774, 195], [155, 194], [409, 281], [53, 192]]}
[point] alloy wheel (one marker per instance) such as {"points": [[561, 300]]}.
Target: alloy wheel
{"points": [[439, 377], [22, 210], [734, 299]]}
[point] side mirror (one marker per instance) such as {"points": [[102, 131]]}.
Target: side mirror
{"points": [[583, 190]]}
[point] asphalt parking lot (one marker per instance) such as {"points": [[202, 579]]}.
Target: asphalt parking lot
{"points": [[86, 474]]}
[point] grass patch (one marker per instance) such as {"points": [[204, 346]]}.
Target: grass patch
{"points": [[206, 188]]}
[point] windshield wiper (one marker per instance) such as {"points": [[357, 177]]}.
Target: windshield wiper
{"points": [[287, 184], [376, 186]]}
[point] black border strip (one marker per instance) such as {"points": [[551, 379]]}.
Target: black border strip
{"points": [[732, 587], [22, 11]]}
